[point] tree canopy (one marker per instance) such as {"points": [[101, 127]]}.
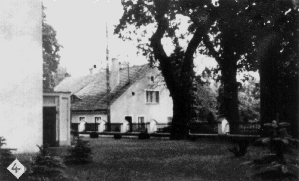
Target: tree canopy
{"points": [[235, 33], [51, 57]]}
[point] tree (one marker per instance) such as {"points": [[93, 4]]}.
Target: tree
{"points": [[249, 98], [221, 27], [207, 96], [61, 73], [177, 68], [50, 54], [277, 46]]}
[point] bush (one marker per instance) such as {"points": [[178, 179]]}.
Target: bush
{"points": [[46, 167], [80, 154], [282, 160], [94, 135], [6, 158], [211, 118], [143, 135], [117, 136]]}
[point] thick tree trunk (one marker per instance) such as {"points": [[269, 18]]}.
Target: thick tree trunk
{"points": [[269, 82], [180, 119], [229, 104]]}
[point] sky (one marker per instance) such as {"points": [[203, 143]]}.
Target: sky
{"points": [[81, 30]]}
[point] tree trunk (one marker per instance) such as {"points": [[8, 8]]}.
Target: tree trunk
{"points": [[180, 119], [269, 82], [229, 107]]}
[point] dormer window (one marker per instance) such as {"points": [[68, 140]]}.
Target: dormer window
{"points": [[152, 96]]}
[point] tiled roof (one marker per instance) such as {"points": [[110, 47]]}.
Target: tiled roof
{"points": [[92, 91]]}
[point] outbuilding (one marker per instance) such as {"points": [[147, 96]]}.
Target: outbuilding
{"points": [[56, 118]]}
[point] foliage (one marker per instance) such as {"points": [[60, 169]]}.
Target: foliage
{"points": [[276, 53], [51, 57], [47, 167], [61, 73], [176, 67], [94, 135], [249, 98], [117, 136], [143, 136], [207, 97], [80, 154], [6, 158], [282, 162]]}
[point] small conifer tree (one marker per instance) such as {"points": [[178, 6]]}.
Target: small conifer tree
{"points": [[6, 158], [282, 162], [80, 154], [46, 167]]}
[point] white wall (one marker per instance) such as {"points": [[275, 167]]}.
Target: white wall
{"points": [[129, 105], [65, 125], [21, 74], [89, 117]]}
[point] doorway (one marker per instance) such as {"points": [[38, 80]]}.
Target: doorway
{"points": [[49, 126], [129, 119]]}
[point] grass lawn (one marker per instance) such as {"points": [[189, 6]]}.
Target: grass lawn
{"points": [[134, 159], [154, 159]]}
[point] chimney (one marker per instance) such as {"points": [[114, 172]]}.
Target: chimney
{"points": [[91, 71], [114, 75]]}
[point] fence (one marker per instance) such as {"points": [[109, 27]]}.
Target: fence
{"points": [[115, 127], [163, 127], [91, 126], [204, 128], [139, 127], [248, 128]]}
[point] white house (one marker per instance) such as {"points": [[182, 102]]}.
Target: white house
{"points": [[139, 99]]}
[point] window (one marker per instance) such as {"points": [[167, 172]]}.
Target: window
{"points": [[81, 119], [152, 96], [97, 119]]}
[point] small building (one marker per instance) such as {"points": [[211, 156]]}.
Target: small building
{"points": [[138, 99], [56, 118]]}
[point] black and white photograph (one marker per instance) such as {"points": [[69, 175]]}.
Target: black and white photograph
{"points": [[149, 90]]}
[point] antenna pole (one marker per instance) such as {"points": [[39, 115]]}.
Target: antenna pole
{"points": [[108, 83]]}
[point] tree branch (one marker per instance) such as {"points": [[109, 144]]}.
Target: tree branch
{"points": [[211, 48], [167, 68]]}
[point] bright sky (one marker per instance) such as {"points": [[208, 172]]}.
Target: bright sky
{"points": [[81, 30]]}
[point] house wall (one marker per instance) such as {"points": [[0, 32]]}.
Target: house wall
{"points": [[21, 74], [65, 121], [89, 117], [135, 105]]}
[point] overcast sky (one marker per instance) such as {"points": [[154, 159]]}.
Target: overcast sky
{"points": [[81, 30]]}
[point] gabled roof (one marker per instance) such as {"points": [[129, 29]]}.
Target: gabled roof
{"points": [[92, 91]]}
